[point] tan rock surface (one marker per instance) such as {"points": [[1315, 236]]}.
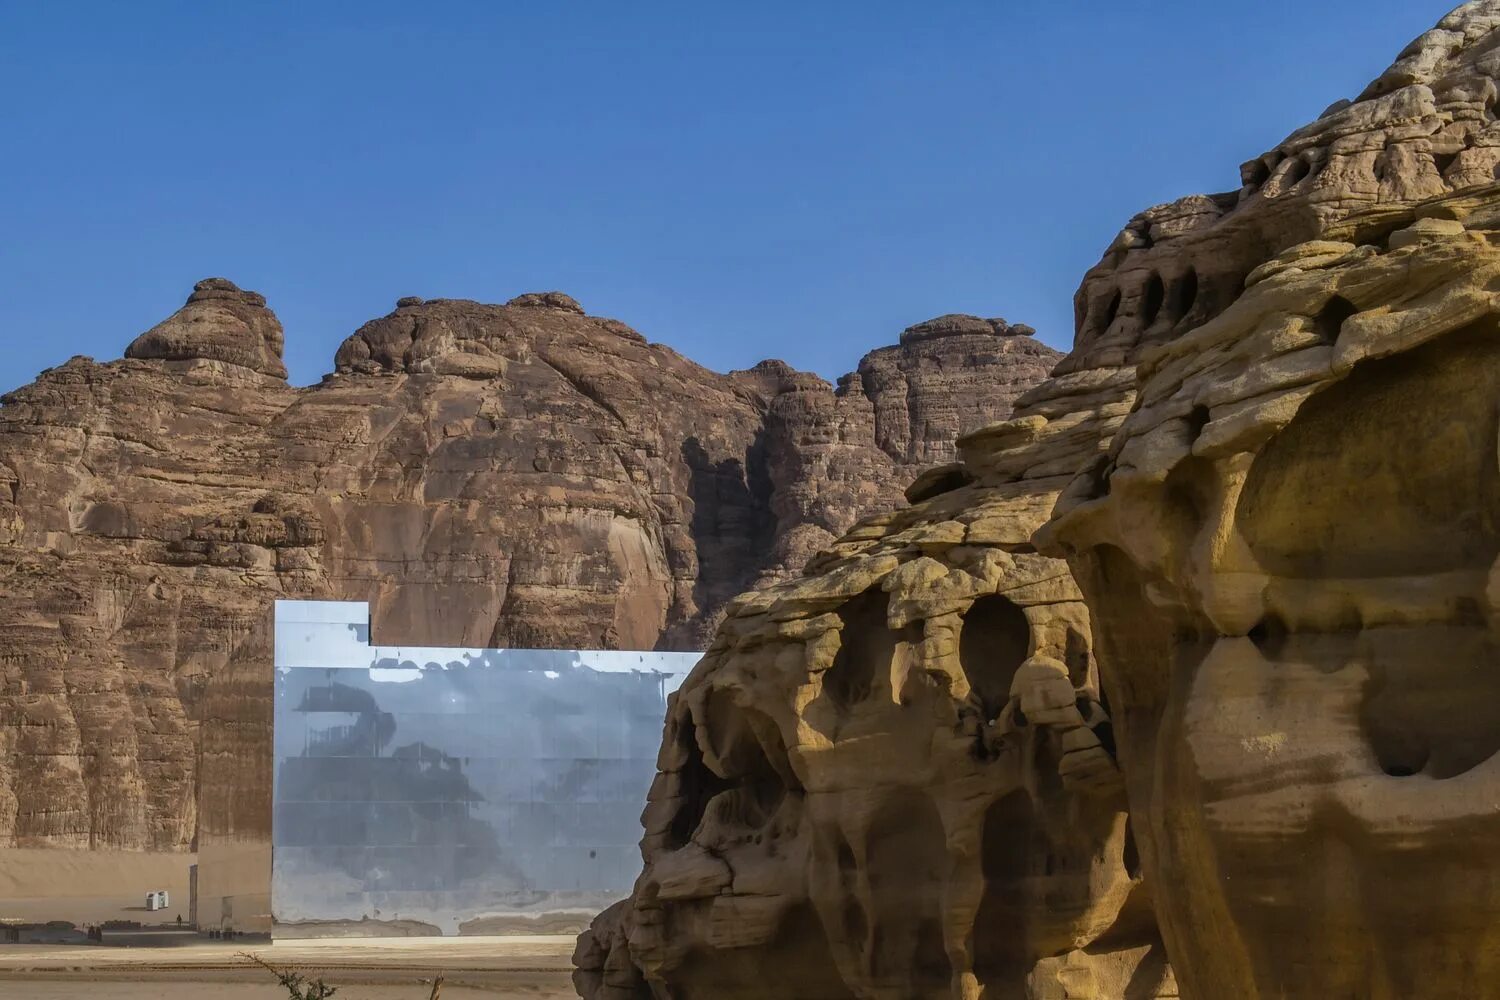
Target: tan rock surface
{"points": [[1292, 559], [518, 475], [1289, 546]]}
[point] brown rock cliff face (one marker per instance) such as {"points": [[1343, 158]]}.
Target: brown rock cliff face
{"points": [[220, 322], [1232, 566], [904, 408], [517, 475]]}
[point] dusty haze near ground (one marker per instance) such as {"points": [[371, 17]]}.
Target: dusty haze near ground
{"points": [[534, 968]]}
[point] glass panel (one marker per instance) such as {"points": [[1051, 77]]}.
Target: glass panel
{"points": [[456, 790]]}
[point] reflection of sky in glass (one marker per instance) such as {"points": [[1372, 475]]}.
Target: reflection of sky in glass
{"points": [[452, 785]]}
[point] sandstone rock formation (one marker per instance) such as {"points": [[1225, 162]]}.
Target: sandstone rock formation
{"points": [[485, 475], [1289, 552], [1278, 437], [220, 322], [895, 777], [1426, 127], [1292, 556]]}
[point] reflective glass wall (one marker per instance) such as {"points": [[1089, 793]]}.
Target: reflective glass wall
{"points": [[447, 791]]}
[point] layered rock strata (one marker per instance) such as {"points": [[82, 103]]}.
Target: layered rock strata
{"points": [[517, 475], [1275, 442]]}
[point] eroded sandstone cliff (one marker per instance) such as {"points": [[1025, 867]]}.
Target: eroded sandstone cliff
{"points": [[516, 475], [1270, 463], [1291, 554]]}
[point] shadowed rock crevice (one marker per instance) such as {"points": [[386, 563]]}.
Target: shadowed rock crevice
{"points": [[732, 523], [1011, 842], [1152, 299], [865, 652], [1184, 295], [698, 785], [906, 868], [994, 642], [1330, 319]]}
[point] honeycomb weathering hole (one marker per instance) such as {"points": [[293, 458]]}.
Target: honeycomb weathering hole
{"points": [[1184, 294], [697, 787], [1130, 855], [1432, 702], [1076, 655], [1269, 636], [1011, 855], [1331, 318], [1110, 311], [1154, 296], [1197, 419], [757, 772], [866, 646], [1296, 172], [906, 861], [1390, 476], [993, 644], [1391, 472]]}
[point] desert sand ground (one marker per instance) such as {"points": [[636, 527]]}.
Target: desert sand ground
{"points": [[533, 968], [94, 887]]}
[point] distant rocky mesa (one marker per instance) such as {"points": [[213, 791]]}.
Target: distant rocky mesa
{"points": [[509, 475]]}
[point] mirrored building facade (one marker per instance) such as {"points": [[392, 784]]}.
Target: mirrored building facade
{"points": [[455, 791]]}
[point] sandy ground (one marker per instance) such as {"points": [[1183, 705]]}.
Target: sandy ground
{"points": [[535, 968], [96, 886], [90, 887]]}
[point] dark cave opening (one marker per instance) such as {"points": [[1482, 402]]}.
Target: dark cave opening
{"points": [[995, 641]]}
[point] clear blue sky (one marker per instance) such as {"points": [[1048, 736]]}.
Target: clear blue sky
{"points": [[740, 181]]}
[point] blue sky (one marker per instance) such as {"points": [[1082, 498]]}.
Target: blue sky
{"points": [[739, 181]]}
